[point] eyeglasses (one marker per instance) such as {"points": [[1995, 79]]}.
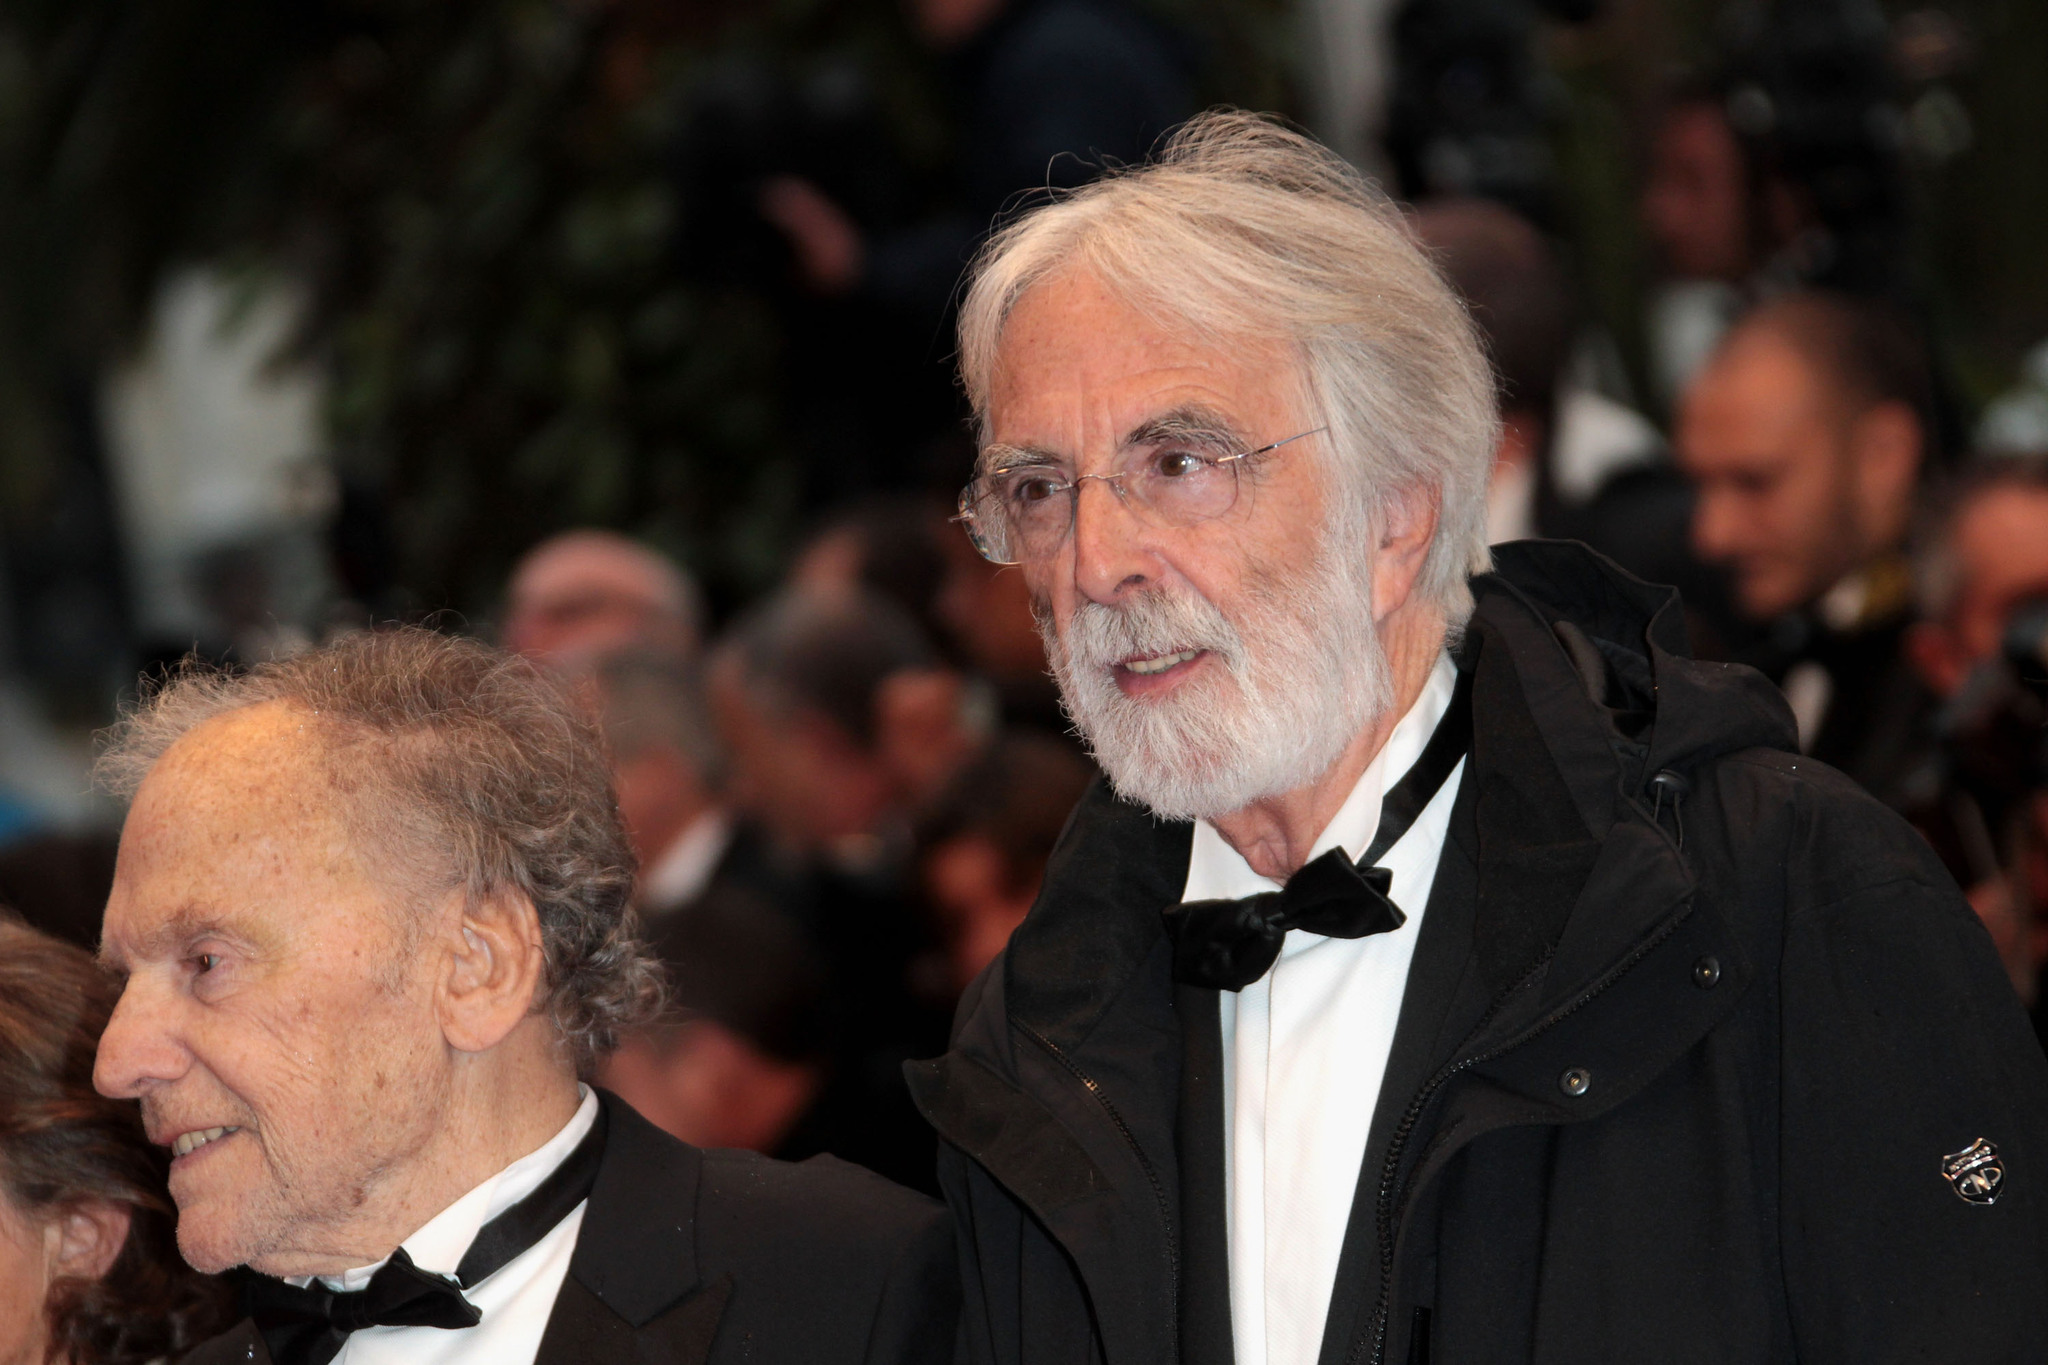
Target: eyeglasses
{"points": [[1024, 511]]}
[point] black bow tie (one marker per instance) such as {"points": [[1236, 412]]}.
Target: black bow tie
{"points": [[309, 1326], [1228, 944]]}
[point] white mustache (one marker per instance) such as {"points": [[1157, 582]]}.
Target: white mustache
{"points": [[1158, 621]]}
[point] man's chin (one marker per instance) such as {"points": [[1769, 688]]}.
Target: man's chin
{"points": [[210, 1241]]}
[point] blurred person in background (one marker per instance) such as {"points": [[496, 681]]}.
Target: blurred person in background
{"points": [[1044, 92], [372, 919], [669, 770], [736, 1060], [890, 544], [1806, 436], [983, 847], [1982, 647], [840, 720], [586, 592], [842, 724], [89, 1267], [987, 611]]}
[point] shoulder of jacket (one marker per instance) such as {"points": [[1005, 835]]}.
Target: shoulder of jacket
{"points": [[1833, 840], [821, 1193]]}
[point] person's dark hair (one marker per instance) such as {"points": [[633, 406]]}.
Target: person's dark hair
{"points": [[1017, 795], [62, 1144], [829, 651], [1517, 290], [1861, 346], [648, 700], [469, 767]]}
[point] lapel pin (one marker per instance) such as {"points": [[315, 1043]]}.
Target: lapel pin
{"points": [[1975, 1173]]}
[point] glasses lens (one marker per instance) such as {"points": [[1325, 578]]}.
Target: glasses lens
{"points": [[984, 523], [1181, 488], [1032, 506]]}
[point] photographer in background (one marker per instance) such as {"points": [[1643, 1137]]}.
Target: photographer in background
{"points": [[1983, 648]]}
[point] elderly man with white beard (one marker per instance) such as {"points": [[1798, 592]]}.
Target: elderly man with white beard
{"points": [[1450, 969]]}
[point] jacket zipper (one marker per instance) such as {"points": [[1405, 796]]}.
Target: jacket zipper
{"points": [[1144, 1163], [1384, 1213]]}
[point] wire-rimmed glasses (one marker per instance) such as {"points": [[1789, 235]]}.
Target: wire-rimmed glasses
{"points": [[1023, 510]]}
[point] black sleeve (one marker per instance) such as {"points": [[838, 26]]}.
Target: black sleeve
{"points": [[916, 1319], [1903, 1045]]}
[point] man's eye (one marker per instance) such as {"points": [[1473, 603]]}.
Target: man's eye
{"points": [[1032, 489], [202, 963], [1178, 464]]}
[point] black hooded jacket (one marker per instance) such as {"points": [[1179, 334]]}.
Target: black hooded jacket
{"points": [[1691, 1026]]}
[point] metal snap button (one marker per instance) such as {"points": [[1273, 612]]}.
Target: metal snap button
{"points": [[1576, 1081], [1706, 973]]}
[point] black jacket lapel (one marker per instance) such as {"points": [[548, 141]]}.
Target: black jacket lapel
{"points": [[1205, 1331], [633, 1282]]}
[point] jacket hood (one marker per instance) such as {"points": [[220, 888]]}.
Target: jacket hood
{"points": [[1640, 669]]}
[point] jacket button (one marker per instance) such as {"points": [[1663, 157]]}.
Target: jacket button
{"points": [[1575, 1082], [1706, 973]]}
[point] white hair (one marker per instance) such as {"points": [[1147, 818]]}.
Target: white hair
{"points": [[1241, 229]]}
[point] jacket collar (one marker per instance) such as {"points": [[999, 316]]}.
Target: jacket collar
{"points": [[634, 1253]]}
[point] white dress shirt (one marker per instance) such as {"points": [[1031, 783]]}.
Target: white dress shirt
{"points": [[1304, 1050], [682, 870], [515, 1302]]}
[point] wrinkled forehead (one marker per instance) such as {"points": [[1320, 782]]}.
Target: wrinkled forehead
{"points": [[241, 811]]}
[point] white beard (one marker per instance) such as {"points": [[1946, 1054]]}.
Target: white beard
{"points": [[1304, 674]]}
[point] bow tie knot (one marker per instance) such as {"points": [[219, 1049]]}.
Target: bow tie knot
{"points": [[1228, 944], [311, 1323]]}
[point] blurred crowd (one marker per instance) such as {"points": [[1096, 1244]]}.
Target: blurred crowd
{"points": [[843, 793]]}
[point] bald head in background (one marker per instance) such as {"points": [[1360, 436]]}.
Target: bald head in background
{"points": [[586, 593]]}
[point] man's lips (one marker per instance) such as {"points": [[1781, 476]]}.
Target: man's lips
{"points": [[1143, 673]]}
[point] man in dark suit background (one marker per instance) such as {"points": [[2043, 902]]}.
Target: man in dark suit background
{"points": [[371, 912]]}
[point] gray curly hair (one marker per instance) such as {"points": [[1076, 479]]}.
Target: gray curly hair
{"points": [[473, 769]]}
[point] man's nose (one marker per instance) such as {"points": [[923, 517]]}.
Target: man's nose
{"points": [[137, 1047], [1110, 554]]}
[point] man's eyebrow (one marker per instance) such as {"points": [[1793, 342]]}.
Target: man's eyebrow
{"points": [[171, 934], [1190, 425], [995, 457]]}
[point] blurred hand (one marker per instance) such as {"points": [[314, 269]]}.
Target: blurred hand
{"points": [[826, 241]]}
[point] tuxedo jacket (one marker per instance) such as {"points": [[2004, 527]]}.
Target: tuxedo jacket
{"points": [[692, 1257]]}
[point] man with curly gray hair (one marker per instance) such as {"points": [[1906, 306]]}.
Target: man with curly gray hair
{"points": [[371, 915]]}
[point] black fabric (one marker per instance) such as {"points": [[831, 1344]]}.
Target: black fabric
{"points": [[1644, 1103], [1228, 944], [689, 1257], [1205, 1241]]}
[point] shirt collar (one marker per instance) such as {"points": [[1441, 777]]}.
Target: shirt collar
{"points": [[1216, 871], [439, 1245], [684, 868]]}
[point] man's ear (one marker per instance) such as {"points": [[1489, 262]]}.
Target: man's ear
{"points": [[1407, 525], [82, 1242], [494, 970]]}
